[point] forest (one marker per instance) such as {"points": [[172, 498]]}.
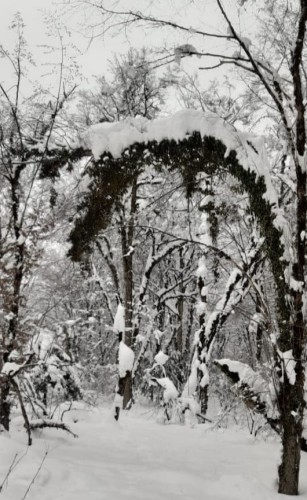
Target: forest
{"points": [[152, 254]]}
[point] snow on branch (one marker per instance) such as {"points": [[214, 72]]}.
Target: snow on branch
{"points": [[44, 423], [237, 286], [170, 392], [119, 320], [115, 138], [252, 387], [125, 359]]}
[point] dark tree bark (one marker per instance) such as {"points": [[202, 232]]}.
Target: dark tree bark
{"points": [[5, 407], [127, 235]]}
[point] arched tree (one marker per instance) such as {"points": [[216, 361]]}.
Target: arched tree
{"points": [[194, 143]]}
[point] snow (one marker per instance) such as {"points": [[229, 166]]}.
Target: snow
{"points": [[125, 359], [161, 358], [192, 382], [289, 364], [170, 392], [254, 324], [254, 380], [42, 343], [119, 320], [115, 137], [296, 285], [205, 378], [201, 307], [246, 374], [138, 459], [10, 368]]}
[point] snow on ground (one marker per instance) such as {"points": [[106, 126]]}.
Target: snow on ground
{"points": [[139, 459]]}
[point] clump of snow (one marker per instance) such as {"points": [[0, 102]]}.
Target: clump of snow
{"points": [[252, 379], [140, 338], [189, 407], [125, 359], [42, 343], [289, 364], [246, 374], [10, 368], [161, 358], [200, 308], [184, 50], [205, 378], [192, 382], [113, 137], [170, 392], [254, 324], [14, 354], [116, 137], [158, 335], [119, 320], [296, 285], [204, 235], [118, 400]]}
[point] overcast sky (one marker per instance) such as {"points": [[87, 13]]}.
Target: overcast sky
{"points": [[93, 58]]}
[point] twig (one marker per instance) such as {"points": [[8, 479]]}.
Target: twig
{"points": [[204, 418], [23, 410], [36, 474], [65, 411], [11, 467]]}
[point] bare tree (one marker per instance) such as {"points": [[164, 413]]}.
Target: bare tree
{"points": [[28, 153]]}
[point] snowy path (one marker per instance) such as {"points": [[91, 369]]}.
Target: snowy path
{"points": [[141, 460]]}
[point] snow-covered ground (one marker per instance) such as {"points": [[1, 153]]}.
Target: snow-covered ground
{"points": [[139, 459]]}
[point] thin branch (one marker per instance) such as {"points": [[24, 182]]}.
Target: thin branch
{"points": [[43, 423], [23, 409], [138, 16], [36, 474]]}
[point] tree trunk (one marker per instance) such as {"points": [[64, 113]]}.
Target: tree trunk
{"points": [[125, 383], [292, 405], [203, 399], [127, 234], [5, 406], [125, 389], [180, 306], [288, 471]]}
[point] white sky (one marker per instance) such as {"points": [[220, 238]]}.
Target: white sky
{"points": [[94, 60]]}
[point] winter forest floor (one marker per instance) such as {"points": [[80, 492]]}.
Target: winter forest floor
{"points": [[139, 459]]}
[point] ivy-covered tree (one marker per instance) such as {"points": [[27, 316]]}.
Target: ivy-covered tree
{"points": [[272, 62], [192, 143]]}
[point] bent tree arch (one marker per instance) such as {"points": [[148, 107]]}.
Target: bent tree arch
{"points": [[192, 143]]}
